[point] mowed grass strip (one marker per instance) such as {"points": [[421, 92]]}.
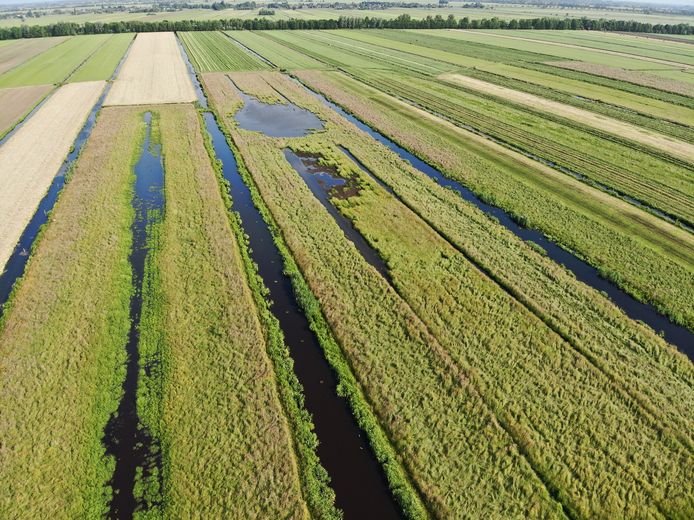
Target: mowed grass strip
{"points": [[55, 64], [17, 102], [216, 52], [15, 52], [645, 255], [62, 338], [153, 73], [210, 393], [435, 420], [104, 61], [278, 54]]}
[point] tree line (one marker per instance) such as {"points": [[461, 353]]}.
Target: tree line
{"points": [[401, 22]]}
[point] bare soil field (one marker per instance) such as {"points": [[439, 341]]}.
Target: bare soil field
{"points": [[15, 102], [631, 76], [673, 146], [153, 73], [33, 155], [20, 51]]}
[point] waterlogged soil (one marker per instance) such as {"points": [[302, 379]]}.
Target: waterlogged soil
{"points": [[131, 446], [275, 120], [357, 478], [325, 184]]}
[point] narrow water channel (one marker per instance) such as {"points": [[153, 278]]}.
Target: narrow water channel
{"points": [[356, 476], [130, 445], [325, 183], [14, 269], [677, 335]]}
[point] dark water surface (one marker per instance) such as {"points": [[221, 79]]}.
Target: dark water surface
{"points": [[677, 335], [323, 181], [356, 476], [275, 120], [131, 446]]}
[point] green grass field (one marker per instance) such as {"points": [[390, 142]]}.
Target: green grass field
{"points": [[215, 52], [56, 401], [104, 61], [56, 64], [507, 372]]}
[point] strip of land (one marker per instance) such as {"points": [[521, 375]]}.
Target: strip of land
{"points": [[640, 135], [632, 76], [63, 335], [32, 156], [153, 73], [213, 400], [19, 51], [16, 102]]}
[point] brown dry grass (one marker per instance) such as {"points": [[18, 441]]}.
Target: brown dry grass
{"points": [[15, 102], [631, 76], [32, 156], [670, 145], [153, 73], [20, 51]]}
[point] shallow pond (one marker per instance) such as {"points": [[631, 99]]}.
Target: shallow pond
{"points": [[275, 120], [325, 183]]}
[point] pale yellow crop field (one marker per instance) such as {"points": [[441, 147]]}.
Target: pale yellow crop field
{"points": [[153, 73], [32, 156]]}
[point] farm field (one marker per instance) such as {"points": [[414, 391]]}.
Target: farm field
{"points": [[57, 400], [213, 51], [409, 231], [154, 72], [13, 53], [103, 63], [36, 151], [341, 274], [18, 101], [57, 63]]}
